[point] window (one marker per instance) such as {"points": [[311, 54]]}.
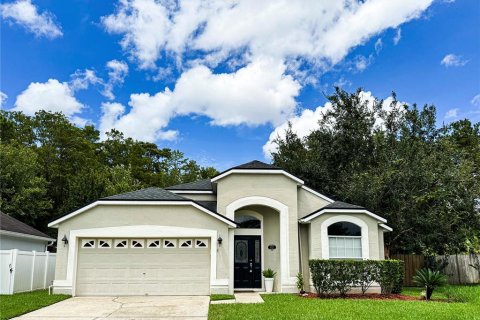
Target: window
{"points": [[88, 243], [169, 243], [121, 243], [345, 241], [185, 243], [153, 243], [248, 222], [104, 243], [136, 244], [200, 243]]}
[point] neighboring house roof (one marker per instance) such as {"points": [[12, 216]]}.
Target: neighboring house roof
{"points": [[256, 167], [340, 207], [151, 196], [14, 227], [148, 194], [200, 185]]}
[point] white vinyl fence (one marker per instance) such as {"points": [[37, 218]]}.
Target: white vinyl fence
{"points": [[25, 270]]}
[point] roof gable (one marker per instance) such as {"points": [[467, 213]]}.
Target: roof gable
{"points": [[10, 224], [340, 207]]}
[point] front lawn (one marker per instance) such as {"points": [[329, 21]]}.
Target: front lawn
{"points": [[289, 306], [21, 303]]}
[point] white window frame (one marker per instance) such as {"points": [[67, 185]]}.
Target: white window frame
{"points": [[174, 241], [182, 241], [85, 241], [142, 241], [205, 241], [108, 241], [117, 241], [345, 237], [344, 218], [150, 241]]}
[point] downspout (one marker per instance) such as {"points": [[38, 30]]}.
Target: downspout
{"points": [[300, 249]]}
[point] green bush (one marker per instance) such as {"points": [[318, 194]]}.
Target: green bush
{"points": [[340, 276], [430, 280]]}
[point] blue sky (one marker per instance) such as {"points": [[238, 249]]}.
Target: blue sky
{"points": [[215, 79]]}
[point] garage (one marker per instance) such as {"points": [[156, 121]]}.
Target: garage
{"points": [[150, 266]]}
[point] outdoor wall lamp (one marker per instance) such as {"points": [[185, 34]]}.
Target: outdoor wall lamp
{"points": [[65, 240], [272, 247], [219, 240]]}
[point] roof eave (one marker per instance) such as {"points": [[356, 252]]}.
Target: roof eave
{"points": [[318, 213], [25, 235], [257, 171]]}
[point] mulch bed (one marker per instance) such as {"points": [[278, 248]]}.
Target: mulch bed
{"points": [[368, 296]]}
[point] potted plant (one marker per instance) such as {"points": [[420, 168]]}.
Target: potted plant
{"points": [[430, 280], [300, 283], [269, 276]]}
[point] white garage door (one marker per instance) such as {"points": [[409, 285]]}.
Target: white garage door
{"points": [[143, 267]]}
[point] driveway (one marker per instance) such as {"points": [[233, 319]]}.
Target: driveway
{"points": [[137, 307]]}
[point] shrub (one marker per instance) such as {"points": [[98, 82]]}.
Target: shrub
{"points": [[340, 275], [300, 282], [390, 276], [269, 273], [430, 280]]}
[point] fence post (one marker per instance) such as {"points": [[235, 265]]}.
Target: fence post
{"points": [[45, 275], [32, 274], [13, 267]]}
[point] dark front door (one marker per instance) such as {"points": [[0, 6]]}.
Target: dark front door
{"points": [[248, 264]]}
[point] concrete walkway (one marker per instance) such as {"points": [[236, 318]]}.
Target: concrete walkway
{"points": [[137, 307], [242, 297]]}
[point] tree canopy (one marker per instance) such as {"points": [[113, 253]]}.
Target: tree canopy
{"points": [[49, 166], [394, 160]]}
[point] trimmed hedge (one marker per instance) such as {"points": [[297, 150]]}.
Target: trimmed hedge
{"points": [[339, 276]]}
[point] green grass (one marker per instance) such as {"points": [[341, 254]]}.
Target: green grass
{"points": [[288, 306], [21, 303], [216, 297]]}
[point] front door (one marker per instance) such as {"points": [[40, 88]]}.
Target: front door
{"points": [[248, 264]]}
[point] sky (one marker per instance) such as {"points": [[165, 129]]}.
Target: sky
{"points": [[220, 79]]}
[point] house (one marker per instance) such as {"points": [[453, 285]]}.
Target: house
{"points": [[210, 236], [15, 234]]}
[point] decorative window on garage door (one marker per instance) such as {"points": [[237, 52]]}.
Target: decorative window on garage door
{"points": [[121, 243], [88, 243], [201, 243], [137, 243], [169, 243], [186, 243], [153, 243], [105, 243]]}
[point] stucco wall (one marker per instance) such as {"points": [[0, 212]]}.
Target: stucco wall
{"points": [[274, 186], [308, 203], [24, 244], [126, 215], [315, 234]]}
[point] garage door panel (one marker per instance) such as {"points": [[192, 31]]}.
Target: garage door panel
{"points": [[142, 271]]}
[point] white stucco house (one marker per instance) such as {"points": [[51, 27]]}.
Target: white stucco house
{"points": [[15, 234], [210, 236]]}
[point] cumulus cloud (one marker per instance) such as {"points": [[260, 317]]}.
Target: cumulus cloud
{"points": [[52, 96], [25, 14], [310, 29], [259, 93], [117, 71], [453, 60], [452, 113], [307, 120], [3, 98]]}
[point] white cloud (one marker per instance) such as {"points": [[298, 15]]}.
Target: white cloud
{"points": [[310, 29], [361, 63], [257, 94], [3, 98], [453, 60], [118, 70], [476, 100], [378, 45], [24, 13], [452, 113], [307, 120], [397, 37], [81, 80], [51, 96]]}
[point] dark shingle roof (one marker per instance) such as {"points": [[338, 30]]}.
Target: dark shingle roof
{"points": [[210, 205], [11, 224], [342, 205], [336, 205], [255, 164], [200, 185], [148, 194]]}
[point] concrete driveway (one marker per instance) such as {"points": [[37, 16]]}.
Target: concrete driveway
{"points": [[138, 308]]}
